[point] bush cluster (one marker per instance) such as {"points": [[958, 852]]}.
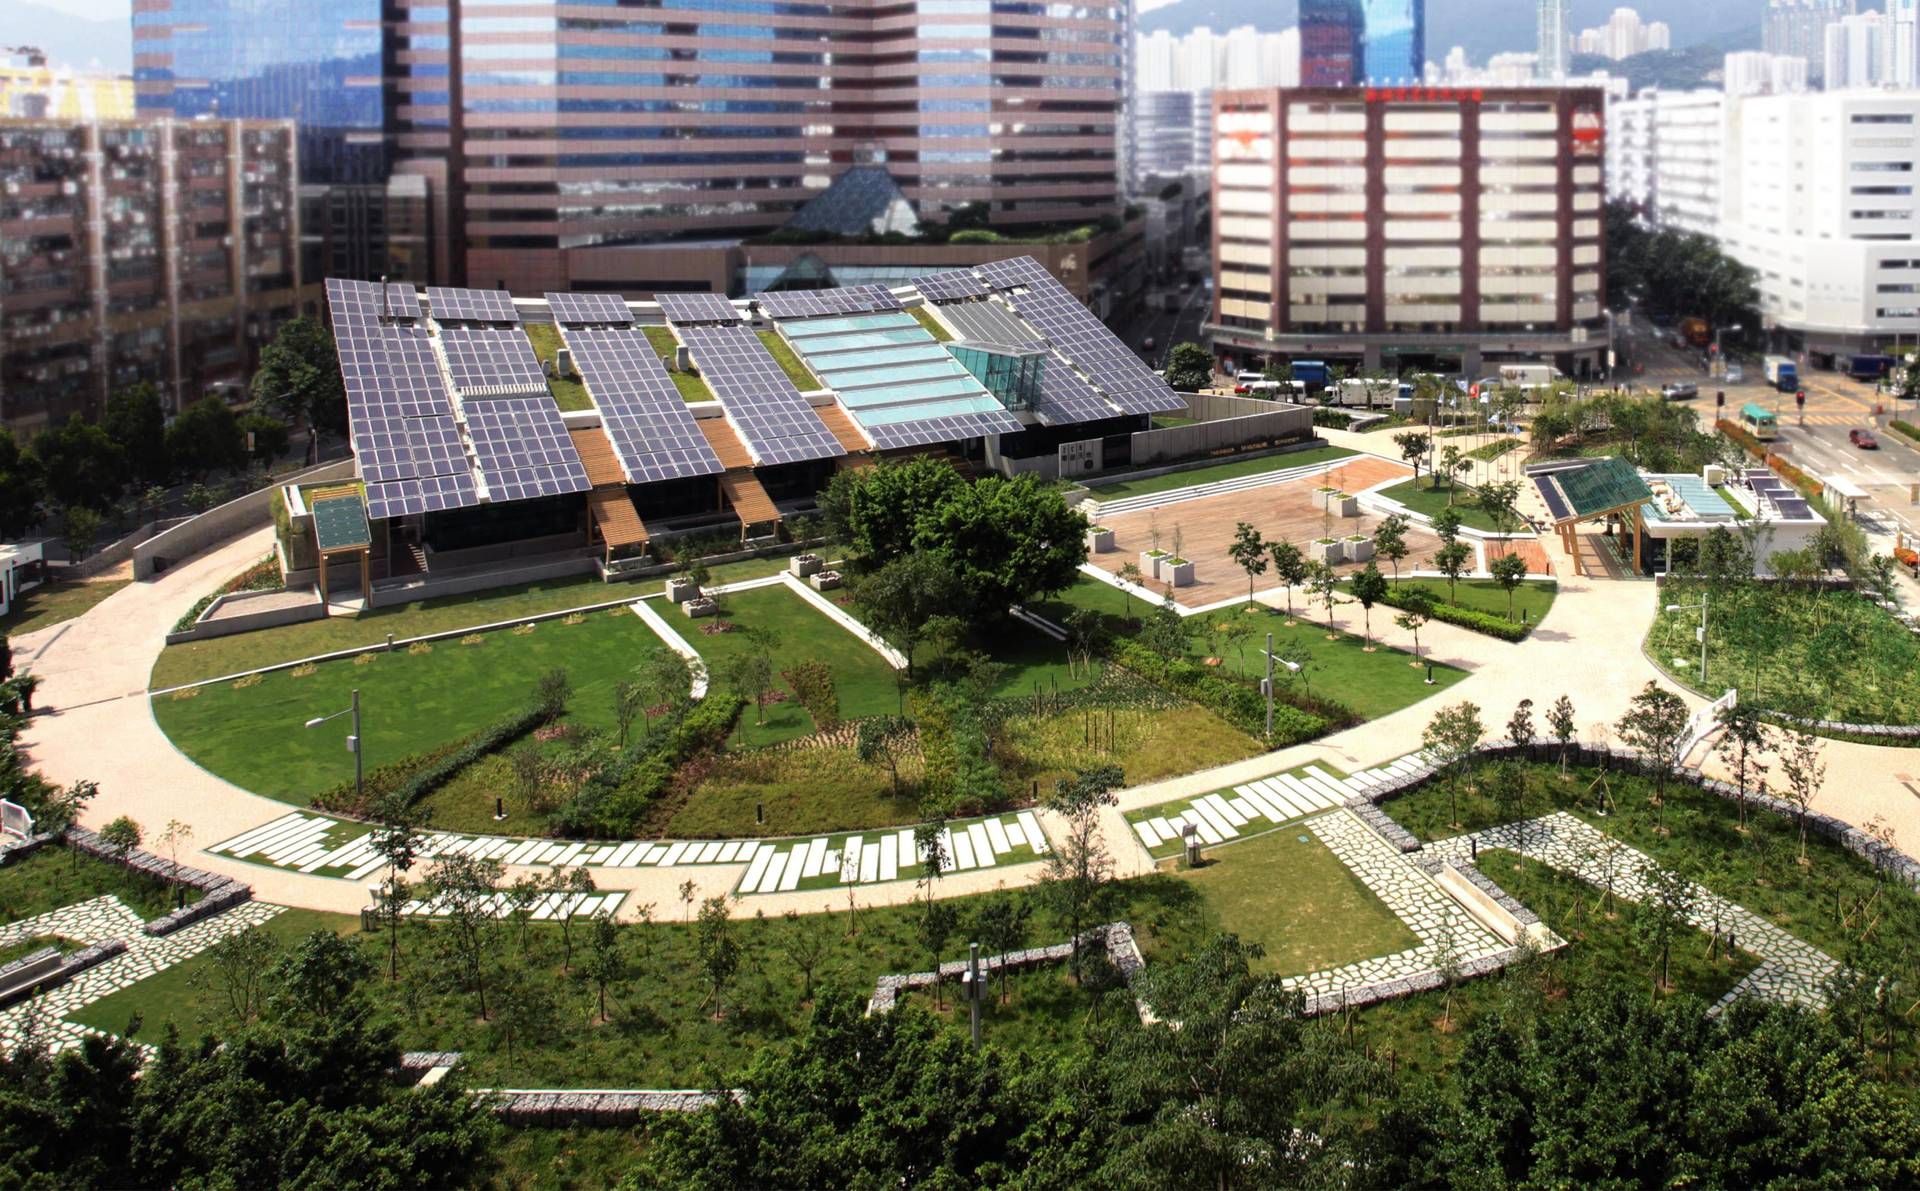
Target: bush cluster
{"points": [[1239, 703], [1468, 618], [613, 800]]}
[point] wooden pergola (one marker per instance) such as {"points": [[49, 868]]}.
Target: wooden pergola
{"points": [[340, 527], [1593, 490]]}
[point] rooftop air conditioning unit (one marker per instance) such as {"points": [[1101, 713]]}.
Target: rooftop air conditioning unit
{"points": [[563, 363]]}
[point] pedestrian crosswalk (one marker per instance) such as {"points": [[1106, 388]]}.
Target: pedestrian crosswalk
{"points": [[1257, 806]]}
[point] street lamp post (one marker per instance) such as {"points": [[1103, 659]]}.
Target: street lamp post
{"points": [[1267, 685], [1700, 632], [353, 744]]}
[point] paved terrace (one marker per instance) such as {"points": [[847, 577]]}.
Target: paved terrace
{"points": [[95, 668]]}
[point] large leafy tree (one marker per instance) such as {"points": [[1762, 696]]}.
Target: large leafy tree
{"points": [[906, 593], [1680, 273], [81, 463], [1189, 367], [299, 376], [883, 506], [206, 438], [1005, 541], [137, 421], [21, 483]]}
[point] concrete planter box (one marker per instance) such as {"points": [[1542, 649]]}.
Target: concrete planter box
{"points": [[1099, 540], [1358, 549], [1177, 571], [1150, 561], [825, 580], [1344, 505], [806, 565], [1327, 552], [682, 590], [699, 606]]}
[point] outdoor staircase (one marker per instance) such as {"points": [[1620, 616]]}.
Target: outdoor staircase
{"points": [[409, 558]]}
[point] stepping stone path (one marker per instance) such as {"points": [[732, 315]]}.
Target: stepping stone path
{"points": [[1411, 894], [330, 847], [1790, 968], [549, 908], [1260, 805], [98, 921]]}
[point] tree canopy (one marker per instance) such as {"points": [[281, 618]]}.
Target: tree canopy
{"points": [[81, 464], [299, 376], [1005, 541]]}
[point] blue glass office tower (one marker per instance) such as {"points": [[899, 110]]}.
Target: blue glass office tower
{"points": [[314, 61], [1396, 41]]}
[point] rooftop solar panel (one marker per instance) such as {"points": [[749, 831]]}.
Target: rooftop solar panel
{"points": [[892, 435], [429, 494], [651, 429], [1550, 492], [575, 310], [948, 287], [369, 299], [451, 304], [1072, 331], [776, 421], [491, 361], [340, 523], [685, 309], [1065, 398], [401, 448], [523, 450], [1793, 508], [818, 303], [987, 322]]}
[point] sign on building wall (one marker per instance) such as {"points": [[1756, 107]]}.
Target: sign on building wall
{"points": [[1587, 132], [1079, 458]]}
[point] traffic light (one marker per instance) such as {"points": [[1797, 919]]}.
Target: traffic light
{"points": [[1720, 399], [1800, 399]]}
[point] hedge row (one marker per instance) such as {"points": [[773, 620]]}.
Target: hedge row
{"points": [[417, 775], [1906, 428], [1808, 486], [1469, 618], [1239, 703], [614, 799]]}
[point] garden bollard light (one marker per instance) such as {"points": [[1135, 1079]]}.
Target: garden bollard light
{"points": [[1429, 673], [759, 813], [499, 809]]}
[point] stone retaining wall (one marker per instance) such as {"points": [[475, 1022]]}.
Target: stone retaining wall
{"points": [[74, 964], [552, 1108], [1406, 986], [1115, 937], [19, 849], [217, 892]]}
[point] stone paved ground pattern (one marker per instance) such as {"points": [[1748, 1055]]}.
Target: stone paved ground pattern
{"points": [[325, 846], [1790, 969], [1258, 805], [1413, 897], [98, 921]]}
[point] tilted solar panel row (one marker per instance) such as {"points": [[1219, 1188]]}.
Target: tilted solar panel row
{"points": [[777, 423], [652, 431]]}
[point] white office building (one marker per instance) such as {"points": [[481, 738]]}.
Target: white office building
{"points": [[1551, 39], [1858, 52], [1756, 72], [1815, 193], [1903, 42]]}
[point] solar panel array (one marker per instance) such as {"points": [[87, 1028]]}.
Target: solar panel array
{"points": [[889, 435], [400, 419], [523, 450], [1074, 333], [641, 411], [686, 309], [817, 303], [491, 361], [949, 287], [451, 304], [776, 421], [574, 310]]}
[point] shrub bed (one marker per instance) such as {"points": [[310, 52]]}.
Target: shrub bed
{"points": [[1239, 703], [1470, 618], [412, 778], [1906, 428], [614, 799]]}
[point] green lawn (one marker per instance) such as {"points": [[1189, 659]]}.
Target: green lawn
{"points": [[862, 678], [52, 602], [252, 736], [662, 1032], [1422, 497], [1169, 421], [1701, 835], [1534, 597], [1231, 469], [1287, 892], [569, 393], [57, 876], [932, 324], [216, 658], [1846, 657], [783, 355], [691, 387]]}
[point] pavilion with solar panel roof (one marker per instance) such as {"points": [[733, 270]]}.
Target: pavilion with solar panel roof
{"points": [[466, 461], [1653, 511]]}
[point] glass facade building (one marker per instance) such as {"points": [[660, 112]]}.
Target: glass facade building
{"points": [[1396, 41], [1333, 43], [317, 62]]}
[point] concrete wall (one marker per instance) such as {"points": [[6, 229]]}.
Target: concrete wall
{"points": [[233, 616], [431, 586], [1271, 425], [230, 520], [121, 550]]}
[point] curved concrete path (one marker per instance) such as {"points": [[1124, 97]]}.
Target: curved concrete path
{"points": [[100, 726]]}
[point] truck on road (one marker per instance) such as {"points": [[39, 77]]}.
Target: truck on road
{"points": [[1528, 375], [1782, 373], [1868, 367]]}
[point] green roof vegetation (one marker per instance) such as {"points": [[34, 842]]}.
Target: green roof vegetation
{"points": [[925, 318], [783, 355], [691, 387], [568, 393]]}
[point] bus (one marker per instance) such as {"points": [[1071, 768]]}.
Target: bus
{"points": [[1759, 422]]}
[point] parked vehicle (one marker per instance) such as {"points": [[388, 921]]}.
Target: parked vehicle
{"points": [[1528, 375], [1735, 374], [1242, 381], [1782, 373], [1868, 367], [1863, 439], [1312, 373], [1680, 391]]}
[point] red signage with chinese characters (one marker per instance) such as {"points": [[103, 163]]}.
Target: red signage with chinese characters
{"points": [[1424, 94]]}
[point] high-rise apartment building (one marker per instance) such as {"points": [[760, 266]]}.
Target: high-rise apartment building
{"points": [[1396, 49], [557, 145], [1406, 227], [1623, 36], [1333, 43], [1756, 72], [1798, 28], [153, 250], [36, 91], [1903, 42], [1858, 52], [1174, 80], [1551, 39], [1815, 192]]}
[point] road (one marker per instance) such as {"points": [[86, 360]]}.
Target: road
{"points": [[1166, 327]]}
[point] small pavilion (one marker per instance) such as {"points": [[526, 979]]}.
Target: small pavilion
{"points": [[1577, 490], [340, 528]]}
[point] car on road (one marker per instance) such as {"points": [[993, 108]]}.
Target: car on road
{"points": [[1680, 391], [1735, 375], [1863, 439]]}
